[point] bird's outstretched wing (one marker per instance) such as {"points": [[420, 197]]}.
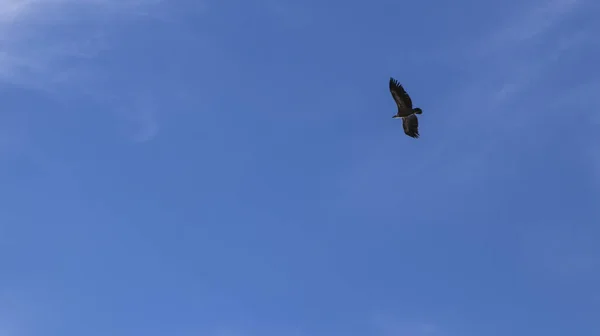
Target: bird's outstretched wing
{"points": [[400, 96], [411, 126]]}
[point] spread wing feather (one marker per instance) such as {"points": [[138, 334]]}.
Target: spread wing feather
{"points": [[400, 96], [411, 126]]}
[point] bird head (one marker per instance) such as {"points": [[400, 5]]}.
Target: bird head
{"points": [[417, 110]]}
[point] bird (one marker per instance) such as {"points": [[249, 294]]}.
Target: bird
{"points": [[410, 122]]}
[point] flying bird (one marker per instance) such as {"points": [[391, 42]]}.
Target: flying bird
{"points": [[410, 122]]}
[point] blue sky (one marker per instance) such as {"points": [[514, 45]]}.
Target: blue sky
{"points": [[231, 168]]}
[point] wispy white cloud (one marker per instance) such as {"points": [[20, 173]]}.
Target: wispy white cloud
{"points": [[49, 46], [499, 49], [491, 108], [386, 325], [32, 53], [377, 325], [581, 103], [13, 136], [505, 64], [531, 21], [240, 331], [565, 250], [12, 313], [141, 119], [291, 13]]}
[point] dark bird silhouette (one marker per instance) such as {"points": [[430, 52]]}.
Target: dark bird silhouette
{"points": [[410, 122]]}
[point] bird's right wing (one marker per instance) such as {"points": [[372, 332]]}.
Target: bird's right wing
{"points": [[400, 95], [411, 126]]}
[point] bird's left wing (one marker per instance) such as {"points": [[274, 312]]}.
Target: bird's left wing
{"points": [[411, 126]]}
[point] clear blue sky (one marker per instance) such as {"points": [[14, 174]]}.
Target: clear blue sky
{"points": [[232, 168]]}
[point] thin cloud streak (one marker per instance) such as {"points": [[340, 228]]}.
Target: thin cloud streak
{"points": [[528, 23], [389, 326], [32, 57], [141, 119], [501, 79], [476, 119]]}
